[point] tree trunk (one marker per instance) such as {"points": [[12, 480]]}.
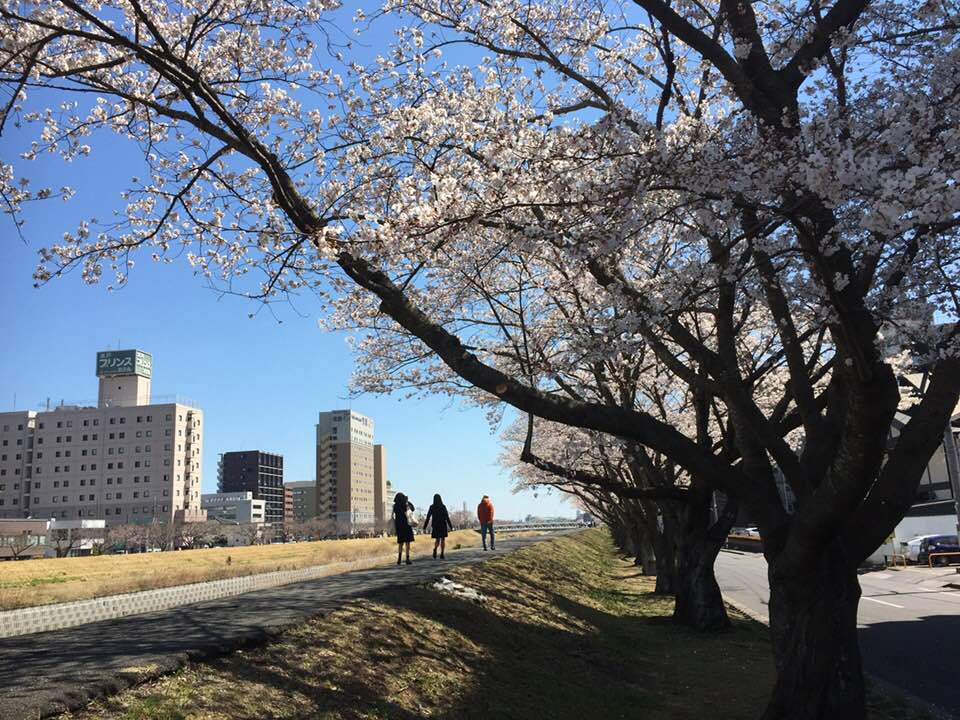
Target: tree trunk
{"points": [[699, 602], [666, 550], [813, 624], [646, 558]]}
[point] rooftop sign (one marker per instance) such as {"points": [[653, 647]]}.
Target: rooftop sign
{"points": [[124, 362]]}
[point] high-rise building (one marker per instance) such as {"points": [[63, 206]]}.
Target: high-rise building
{"points": [[125, 460], [258, 472], [381, 501], [303, 495], [345, 468]]}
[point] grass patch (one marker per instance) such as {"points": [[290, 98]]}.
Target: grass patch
{"points": [[39, 582], [567, 630]]}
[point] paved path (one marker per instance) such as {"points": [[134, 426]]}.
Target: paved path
{"points": [[909, 623], [46, 673]]}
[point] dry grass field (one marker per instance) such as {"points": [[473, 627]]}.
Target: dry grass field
{"points": [[567, 631], [39, 582]]}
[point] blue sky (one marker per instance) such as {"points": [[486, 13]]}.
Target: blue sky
{"points": [[260, 381]]}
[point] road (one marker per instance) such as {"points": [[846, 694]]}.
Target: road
{"points": [[909, 623], [46, 673]]}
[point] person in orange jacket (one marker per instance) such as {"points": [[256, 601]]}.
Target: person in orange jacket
{"points": [[485, 516]]}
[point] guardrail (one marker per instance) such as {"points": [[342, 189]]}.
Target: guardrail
{"points": [[931, 556], [514, 527], [895, 556]]}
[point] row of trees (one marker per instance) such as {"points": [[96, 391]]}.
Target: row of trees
{"points": [[696, 241]]}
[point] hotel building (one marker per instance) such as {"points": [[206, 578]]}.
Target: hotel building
{"points": [[125, 460], [346, 468]]}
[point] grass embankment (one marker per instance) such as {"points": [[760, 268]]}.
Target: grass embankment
{"points": [[39, 582], [568, 630]]}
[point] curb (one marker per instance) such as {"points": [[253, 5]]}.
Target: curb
{"points": [[880, 685]]}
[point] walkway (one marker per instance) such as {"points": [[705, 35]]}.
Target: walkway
{"points": [[47, 673]]}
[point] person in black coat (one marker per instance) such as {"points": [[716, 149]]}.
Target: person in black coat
{"points": [[441, 523], [404, 532]]}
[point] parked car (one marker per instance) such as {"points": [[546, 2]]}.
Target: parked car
{"points": [[912, 547], [920, 547], [940, 544]]}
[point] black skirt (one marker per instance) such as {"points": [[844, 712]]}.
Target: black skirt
{"points": [[438, 531], [404, 533]]}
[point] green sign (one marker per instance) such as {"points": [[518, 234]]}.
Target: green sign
{"points": [[124, 362]]}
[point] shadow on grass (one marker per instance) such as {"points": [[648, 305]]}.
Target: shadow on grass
{"points": [[529, 652]]}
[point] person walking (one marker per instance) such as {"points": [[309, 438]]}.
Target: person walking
{"points": [[441, 524], [485, 516], [401, 505]]}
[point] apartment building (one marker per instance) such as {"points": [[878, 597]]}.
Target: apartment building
{"points": [[126, 460], [238, 507], [257, 472], [345, 468], [303, 498], [287, 504]]}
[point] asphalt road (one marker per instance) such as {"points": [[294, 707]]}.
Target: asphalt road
{"points": [[909, 623], [47, 673]]}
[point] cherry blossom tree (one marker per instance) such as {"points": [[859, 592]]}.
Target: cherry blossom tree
{"points": [[724, 185]]}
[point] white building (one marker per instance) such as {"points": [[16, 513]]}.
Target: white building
{"points": [[239, 507], [124, 461], [345, 468]]}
